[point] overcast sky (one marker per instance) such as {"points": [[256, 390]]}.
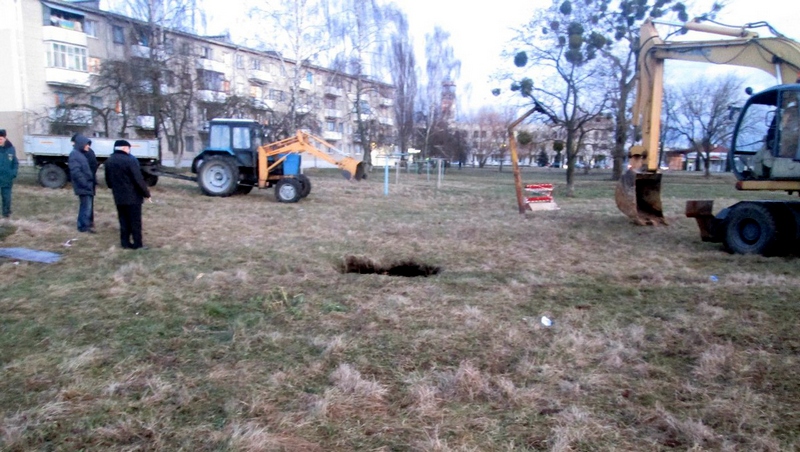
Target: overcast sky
{"points": [[481, 29]]}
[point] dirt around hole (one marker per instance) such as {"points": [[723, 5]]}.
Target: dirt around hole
{"points": [[407, 268]]}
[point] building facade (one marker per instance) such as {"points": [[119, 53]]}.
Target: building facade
{"points": [[73, 68]]}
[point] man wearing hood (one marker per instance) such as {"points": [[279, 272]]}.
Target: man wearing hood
{"points": [[8, 171], [83, 181], [91, 157]]}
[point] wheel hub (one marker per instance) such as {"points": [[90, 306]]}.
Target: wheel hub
{"points": [[750, 231]]}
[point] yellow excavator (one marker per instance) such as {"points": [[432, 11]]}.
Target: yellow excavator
{"points": [[764, 154]]}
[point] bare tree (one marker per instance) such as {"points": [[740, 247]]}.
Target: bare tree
{"points": [[574, 93], [403, 66], [702, 115], [297, 30], [442, 69], [359, 30]]}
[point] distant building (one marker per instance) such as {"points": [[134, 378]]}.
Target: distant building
{"points": [[686, 159], [60, 57]]}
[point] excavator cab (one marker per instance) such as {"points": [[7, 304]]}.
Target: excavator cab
{"points": [[766, 143]]}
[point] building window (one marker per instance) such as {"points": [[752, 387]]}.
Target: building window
{"points": [[94, 65], [188, 144], [330, 126], [206, 53], [255, 64], [239, 61], [66, 57], [90, 28], [210, 80], [276, 94], [118, 34], [169, 45], [309, 77]]}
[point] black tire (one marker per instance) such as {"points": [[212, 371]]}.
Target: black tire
{"points": [[218, 176], [150, 179], [288, 190], [52, 176], [751, 229], [242, 189], [305, 185]]}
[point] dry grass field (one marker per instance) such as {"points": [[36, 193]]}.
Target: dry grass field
{"points": [[238, 330]]}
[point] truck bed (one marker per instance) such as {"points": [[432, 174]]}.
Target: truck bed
{"points": [[45, 145]]}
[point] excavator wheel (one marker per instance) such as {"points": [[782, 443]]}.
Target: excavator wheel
{"points": [[751, 229], [288, 190]]}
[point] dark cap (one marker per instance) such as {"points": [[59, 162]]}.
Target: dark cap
{"points": [[121, 143], [2, 132]]}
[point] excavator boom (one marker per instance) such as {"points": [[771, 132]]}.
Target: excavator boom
{"points": [[351, 168], [638, 195]]}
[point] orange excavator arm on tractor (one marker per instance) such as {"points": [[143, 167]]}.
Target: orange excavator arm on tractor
{"points": [[638, 195], [351, 168]]}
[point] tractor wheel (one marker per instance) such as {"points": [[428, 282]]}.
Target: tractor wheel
{"points": [[218, 176], [288, 190], [751, 230], [242, 189], [305, 184], [150, 179], [52, 176]]}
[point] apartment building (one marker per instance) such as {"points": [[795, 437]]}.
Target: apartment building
{"points": [[71, 67]]}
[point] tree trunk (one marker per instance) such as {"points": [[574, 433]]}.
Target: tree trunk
{"points": [[571, 157]]}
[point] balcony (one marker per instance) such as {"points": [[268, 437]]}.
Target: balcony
{"points": [[146, 122], [260, 76], [58, 34], [65, 77], [333, 91], [211, 97], [386, 121], [204, 126], [386, 102], [333, 113], [332, 136], [304, 110], [211, 65], [70, 116], [261, 104], [305, 85]]}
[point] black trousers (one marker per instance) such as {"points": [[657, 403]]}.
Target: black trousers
{"points": [[130, 225]]}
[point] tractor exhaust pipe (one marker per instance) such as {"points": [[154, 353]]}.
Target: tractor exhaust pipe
{"points": [[638, 195]]}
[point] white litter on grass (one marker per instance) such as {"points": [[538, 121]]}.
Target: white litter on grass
{"points": [[26, 254], [546, 321], [68, 243]]}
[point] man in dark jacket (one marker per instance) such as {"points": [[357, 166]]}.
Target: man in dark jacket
{"points": [[83, 182], [126, 182], [92, 159], [8, 171]]}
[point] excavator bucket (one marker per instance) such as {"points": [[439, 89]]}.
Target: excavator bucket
{"points": [[638, 196], [352, 169]]}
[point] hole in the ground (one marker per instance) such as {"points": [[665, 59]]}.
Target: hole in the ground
{"points": [[408, 268]]}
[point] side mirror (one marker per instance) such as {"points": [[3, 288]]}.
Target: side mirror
{"points": [[748, 91]]}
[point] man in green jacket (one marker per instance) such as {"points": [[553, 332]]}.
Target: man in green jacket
{"points": [[8, 171]]}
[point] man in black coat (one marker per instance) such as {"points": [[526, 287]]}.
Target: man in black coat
{"points": [[83, 182], [125, 180]]}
